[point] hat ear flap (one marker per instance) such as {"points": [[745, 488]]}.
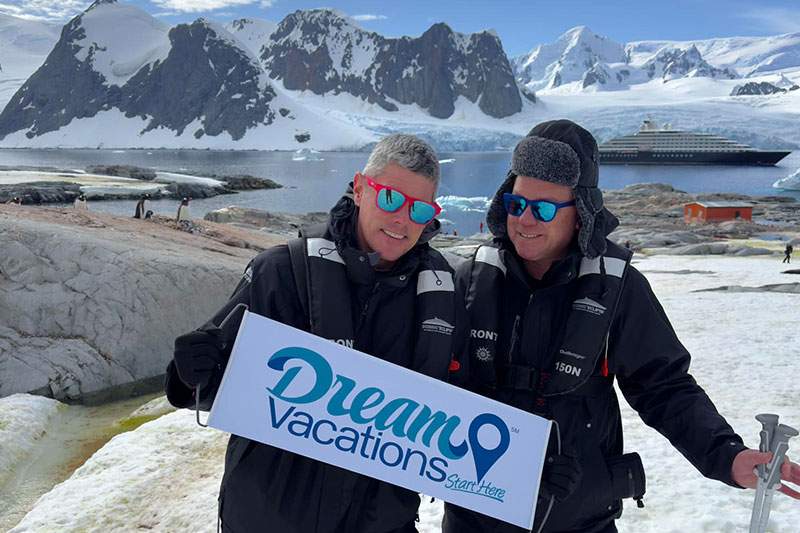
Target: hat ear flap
{"points": [[594, 221], [496, 216]]}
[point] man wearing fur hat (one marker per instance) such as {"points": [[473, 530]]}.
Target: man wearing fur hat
{"points": [[556, 314]]}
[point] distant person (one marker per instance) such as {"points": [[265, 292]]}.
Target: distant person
{"points": [[628, 245], [80, 203], [481, 226], [788, 254], [141, 206], [183, 211], [455, 233]]}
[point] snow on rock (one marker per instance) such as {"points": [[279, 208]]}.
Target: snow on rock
{"points": [[172, 177], [254, 33], [790, 182], [23, 420], [164, 476], [118, 55]]}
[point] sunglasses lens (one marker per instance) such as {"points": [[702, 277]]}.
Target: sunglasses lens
{"points": [[515, 205], [390, 200], [422, 212], [544, 211]]}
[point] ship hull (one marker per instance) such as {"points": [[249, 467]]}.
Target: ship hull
{"points": [[643, 157]]}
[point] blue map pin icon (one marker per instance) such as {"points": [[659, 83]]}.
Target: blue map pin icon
{"points": [[486, 458]]}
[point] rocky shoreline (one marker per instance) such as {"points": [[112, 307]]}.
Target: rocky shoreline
{"points": [[48, 185]]}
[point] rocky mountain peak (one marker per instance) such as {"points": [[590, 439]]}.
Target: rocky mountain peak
{"points": [[323, 51], [672, 62]]}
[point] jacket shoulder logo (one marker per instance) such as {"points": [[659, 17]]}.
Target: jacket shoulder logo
{"points": [[588, 305], [437, 325]]}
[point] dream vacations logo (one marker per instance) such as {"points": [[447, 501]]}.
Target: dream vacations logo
{"points": [[399, 432]]}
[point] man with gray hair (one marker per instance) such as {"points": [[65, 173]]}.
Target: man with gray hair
{"points": [[368, 280]]}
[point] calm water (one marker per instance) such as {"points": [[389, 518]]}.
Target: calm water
{"points": [[316, 185]]}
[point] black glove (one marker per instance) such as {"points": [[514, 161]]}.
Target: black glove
{"points": [[560, 476], [198, 355]]}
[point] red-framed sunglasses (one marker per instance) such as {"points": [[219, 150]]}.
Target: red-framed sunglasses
{"points": [[390, 200]]}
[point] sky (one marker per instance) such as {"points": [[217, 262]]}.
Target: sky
{"points": [[520, 24]]}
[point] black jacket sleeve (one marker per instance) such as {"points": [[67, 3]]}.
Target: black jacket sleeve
{"points": [[459, 371], [267, 288], [652, 368]]}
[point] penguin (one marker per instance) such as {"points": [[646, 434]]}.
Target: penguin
{"points": [[80, 203], [183, 211], [141, 206], [15, 201]]}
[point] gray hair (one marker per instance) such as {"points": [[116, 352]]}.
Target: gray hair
{"points": [[408, 151]]}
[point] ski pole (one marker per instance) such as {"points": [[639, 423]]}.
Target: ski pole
{"points": [[775, 438]]}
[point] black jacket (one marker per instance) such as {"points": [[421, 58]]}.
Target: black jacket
{"points": [[268, 489], [651, 367]]}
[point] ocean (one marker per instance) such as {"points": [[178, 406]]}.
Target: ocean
{"points": [[468, 178]]}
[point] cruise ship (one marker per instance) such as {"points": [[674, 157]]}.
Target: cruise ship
{"points": [[657, 145]]}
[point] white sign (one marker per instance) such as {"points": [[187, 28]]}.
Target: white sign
{"points": [[302, 393]]}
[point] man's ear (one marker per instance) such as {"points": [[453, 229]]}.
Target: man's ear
{"points": [[358, 188]]}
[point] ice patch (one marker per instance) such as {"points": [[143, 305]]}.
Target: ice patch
{"points": [[790, 182]]}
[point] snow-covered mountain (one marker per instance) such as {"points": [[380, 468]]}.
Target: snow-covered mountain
{"points": [[24, 44], [585, 60], [323, 51], [119, 73], [672, 62], [567, 60], [118, 77], [748, 56]]}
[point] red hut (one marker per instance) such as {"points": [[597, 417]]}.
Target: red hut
{"points": [[717, 211]]}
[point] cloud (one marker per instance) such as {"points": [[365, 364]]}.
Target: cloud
{"points": [[199, 6], [367, 17], [49, 10], [774, 19]]}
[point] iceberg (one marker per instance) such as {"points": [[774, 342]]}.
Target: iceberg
{"points": [[307, 154], [790, 182]]}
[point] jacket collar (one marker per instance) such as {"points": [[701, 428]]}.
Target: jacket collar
{"points": [[561, 272]]}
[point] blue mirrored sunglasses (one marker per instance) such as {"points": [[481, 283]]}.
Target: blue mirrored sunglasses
{"points": [[543, 210]]}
